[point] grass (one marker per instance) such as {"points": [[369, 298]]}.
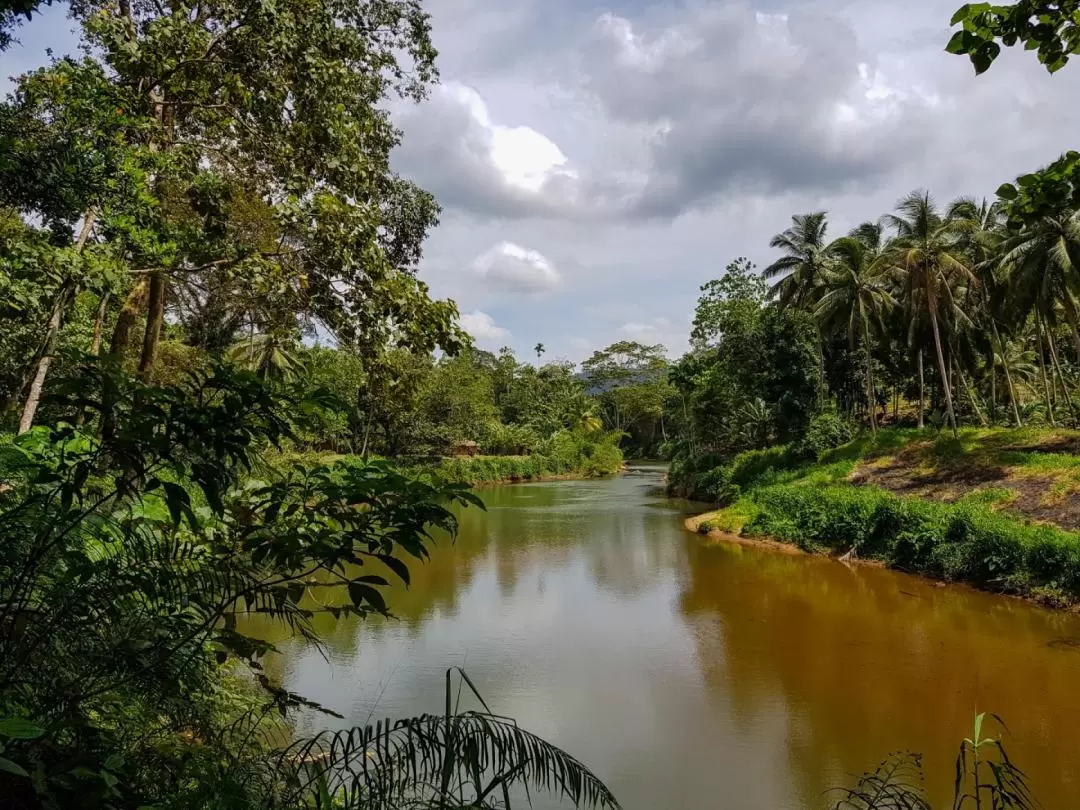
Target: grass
{"points": [[980, 507]]}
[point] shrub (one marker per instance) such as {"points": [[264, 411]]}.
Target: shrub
{"points": [[966, 542], [825, 432]]}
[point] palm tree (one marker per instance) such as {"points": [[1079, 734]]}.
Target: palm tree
{"points": [[805, 254], [980, 229], [1040, 264], [539, 349], [855, 296], [927, 256]]}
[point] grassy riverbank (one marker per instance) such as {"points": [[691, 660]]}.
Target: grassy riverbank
{"points": [[564, 456], [993, 508]]}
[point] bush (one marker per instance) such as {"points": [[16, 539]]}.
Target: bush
{"points": [[825, 432], [564, 453], [966, 542]]}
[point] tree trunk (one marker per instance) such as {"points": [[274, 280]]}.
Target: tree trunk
{"points": [[971, 396], [922, 391], [99, 323], [870, 398], [1008, 374], [155, 318], [993, 388], [48, 350], [52, 331], [1061, 377], [941, 367], [1042, 371], [125, 322]]}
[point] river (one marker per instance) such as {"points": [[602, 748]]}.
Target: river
{"points": [[689, 675]]}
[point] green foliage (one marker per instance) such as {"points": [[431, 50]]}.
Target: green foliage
{"points": [[630, 381], [966, 541], [565, 453], [985, 777], [726, 304], [1051, 28], [826, 431], [125, 563]]}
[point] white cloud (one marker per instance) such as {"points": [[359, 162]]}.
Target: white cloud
{"points": [[454, 147], [483, 329], [516, 269]]}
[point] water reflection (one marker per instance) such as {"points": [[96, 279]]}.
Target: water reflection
{"points": [[693, 676]]}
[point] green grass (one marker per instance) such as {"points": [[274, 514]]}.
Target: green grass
{"points": [[972, 539]]}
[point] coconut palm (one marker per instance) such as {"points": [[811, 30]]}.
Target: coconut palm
{"points": [[928, 258], [804, 257], [1042, 266], [855, 297], [980, 231]]}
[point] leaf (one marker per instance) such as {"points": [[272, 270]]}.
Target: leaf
{"points": [[960, 14], [19, 728], [7, 766], [360, 593], [397, 566], [1007, 191], [958, 43], [372, 579], [179, 503]]}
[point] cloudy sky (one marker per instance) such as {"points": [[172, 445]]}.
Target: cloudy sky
{"points": [[598, 162]]}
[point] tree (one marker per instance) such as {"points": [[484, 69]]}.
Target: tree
{"points": [[630, 380], [926, 256], [539, 349], [738, 295], [854, 300], [1051, 28], [804, 248], [126, 590], [228, 169]]}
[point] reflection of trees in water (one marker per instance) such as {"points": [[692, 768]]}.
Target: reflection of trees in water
{"points": [[867, 662]]}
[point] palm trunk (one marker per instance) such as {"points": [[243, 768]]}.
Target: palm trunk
{"points": [[52, 332], [1008, 374], [1070, 316], [155, 318], [1060, 375], [1042, 372], [870, 398], [941, 366], [971, 396], [922, 392], [993, 389]]}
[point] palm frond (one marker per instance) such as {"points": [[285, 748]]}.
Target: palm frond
{"points": [[457, 759]]}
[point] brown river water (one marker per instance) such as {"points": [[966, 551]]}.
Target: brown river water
{"points": [[689, 675]]}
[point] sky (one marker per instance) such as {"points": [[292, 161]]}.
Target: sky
{"points": [[598, 162]]}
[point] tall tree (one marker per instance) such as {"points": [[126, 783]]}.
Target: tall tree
{"points": [[854, 300], [927, 256], [804, 247]]}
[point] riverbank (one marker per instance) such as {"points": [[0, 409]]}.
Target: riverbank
{"points": [[992, 508]]}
